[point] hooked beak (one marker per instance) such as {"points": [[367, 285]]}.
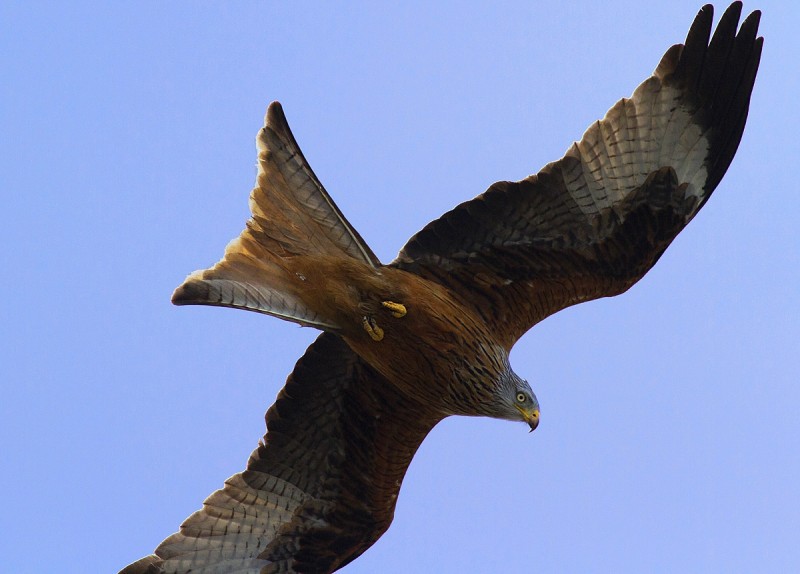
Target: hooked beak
{"points": [[532, 418]]}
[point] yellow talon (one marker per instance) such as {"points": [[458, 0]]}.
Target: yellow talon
{"points": [[371, 327], [398, 309]]}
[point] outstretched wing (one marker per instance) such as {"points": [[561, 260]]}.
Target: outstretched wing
{"points": [[321, 487], [594, 222]]}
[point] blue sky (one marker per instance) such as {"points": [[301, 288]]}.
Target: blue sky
{"points": [[669, 434]]}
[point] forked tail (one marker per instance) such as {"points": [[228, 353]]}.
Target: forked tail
{"points": [[292, 216]]}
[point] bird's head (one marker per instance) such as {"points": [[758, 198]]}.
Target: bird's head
{"points": [[518, 402]]}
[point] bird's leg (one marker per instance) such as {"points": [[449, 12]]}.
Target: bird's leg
{"points": [[371, 327], [398, 309]]}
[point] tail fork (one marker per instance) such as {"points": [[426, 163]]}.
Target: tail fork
{"points": [[292, 215]]}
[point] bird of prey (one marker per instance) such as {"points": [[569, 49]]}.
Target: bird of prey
{"points": [[428, 336]]}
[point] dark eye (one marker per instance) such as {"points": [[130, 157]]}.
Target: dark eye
{"points": [[521, 398]]}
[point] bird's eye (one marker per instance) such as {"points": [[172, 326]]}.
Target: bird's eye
{"points": [[521, 398]]}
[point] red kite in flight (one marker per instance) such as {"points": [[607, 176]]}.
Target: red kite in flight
{"points": [[428, 336]]}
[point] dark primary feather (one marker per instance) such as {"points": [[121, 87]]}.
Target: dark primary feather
{"points": [[594, 222]]}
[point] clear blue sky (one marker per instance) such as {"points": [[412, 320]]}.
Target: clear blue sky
{"points": [[670, 426]]}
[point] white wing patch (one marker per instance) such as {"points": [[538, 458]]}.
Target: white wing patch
{"points": [[233, 528], [651, 130]]}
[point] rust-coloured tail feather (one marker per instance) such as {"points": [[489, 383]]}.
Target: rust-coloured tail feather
{"points": [[320, 212], [292, 216]]}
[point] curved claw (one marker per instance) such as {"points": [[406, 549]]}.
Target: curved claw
{"points": [[372, 328], [398, 309]]}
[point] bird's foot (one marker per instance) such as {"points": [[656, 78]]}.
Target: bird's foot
{"points": [[372, 329], [398, 309]]}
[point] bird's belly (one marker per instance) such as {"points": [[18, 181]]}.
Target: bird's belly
{"points": [[434, 351]]}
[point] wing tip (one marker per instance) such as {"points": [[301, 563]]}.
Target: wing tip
{"points": [[685, 61], [750, 24]]}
